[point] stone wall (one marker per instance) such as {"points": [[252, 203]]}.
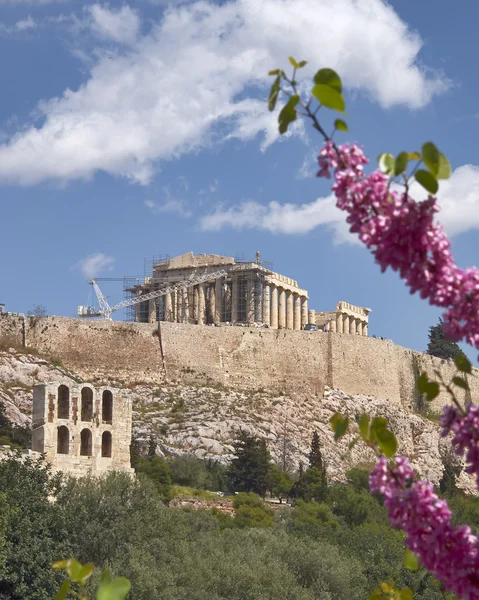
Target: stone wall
{"points": [[293, 362]]}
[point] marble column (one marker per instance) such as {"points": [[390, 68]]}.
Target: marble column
{"points": [[365, 329], [332, 325], [274, 306], [201, 304], [249, 300], [312, 316], [266, 303], [359, 327], [281, 308], [289, 310], [227, 304], [352, 325], [179, 307], [234, 300], [304, 313], [219, 301], [339, 322], [345, 323], [167, 316], [196, 294], [186, 308], [152, 310], [211, 304], [297, 311]]}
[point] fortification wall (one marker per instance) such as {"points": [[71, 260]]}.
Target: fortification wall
{"points": [[294, 362]]}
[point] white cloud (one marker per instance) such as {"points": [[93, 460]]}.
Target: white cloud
{"points": [[94, 264], [211, 188], [24, 24], [192, 80], [121, 25], [171, 205], [458, 198], [281, 218]]}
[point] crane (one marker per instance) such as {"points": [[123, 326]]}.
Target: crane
{"points": [[105, 311]]}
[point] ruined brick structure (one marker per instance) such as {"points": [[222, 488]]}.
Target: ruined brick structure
{"points": [[81, 429]]}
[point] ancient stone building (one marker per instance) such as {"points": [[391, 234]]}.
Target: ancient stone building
{"points": [[347, 318], [246, 292], [81, 429]]}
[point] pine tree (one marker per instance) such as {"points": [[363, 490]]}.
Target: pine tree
{"points": [[249, 469], [440, 346], [315, 456], [151, 447]]}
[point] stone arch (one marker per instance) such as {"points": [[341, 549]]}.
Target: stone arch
{"points": [[86, 404], [85, 442], [107, 406], [106, 444], [63, 440], [63, 405]]}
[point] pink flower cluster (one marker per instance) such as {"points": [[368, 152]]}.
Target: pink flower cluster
{"points": [[403, 235], [451, 553], [465, 428]]}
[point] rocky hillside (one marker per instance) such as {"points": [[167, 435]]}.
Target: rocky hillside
{"points": [[203, 420]]}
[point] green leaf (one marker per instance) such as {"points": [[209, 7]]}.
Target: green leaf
{"points": [[413, 156], [427, 180], [430, 388], [460, 382], [275, 72], [401, 163], [329, 97], [117, 589], [363, 425], [273, 94], [435, 161], [378, 423], [330, 78], [386, 441], [463, 364], [411, 561], [341, 125], [63, 591], [406, 594], [85, 573], [288, 114], [295, 64], [386, 163], [339, 424]]}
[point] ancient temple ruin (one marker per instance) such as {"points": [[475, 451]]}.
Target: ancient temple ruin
{"points": [[247, 292], [81, 429], [347, 318]]}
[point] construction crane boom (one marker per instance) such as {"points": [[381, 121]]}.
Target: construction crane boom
{"points": [[106, 310]]}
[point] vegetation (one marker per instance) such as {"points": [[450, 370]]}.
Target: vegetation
{"points": [[341, 548], [11, 435], [440, 346]]}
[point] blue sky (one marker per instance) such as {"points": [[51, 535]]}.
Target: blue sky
{"points": [[129, 130]]}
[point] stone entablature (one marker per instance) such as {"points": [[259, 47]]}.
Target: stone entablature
{"points": [[81, 429], [347, 318]]}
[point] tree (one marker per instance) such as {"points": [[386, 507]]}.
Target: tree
{"points": [[315, 456], [158, 471], [249, 468], [439, 345], [152, 447], [38, 310], [279, 483]]}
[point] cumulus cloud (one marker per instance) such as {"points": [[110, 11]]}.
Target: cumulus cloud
{"points": [[94, 264], [200, 74], [121, 25], [458, 198]]}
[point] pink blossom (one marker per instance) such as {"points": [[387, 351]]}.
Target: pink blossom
{"points": [[403, 235], [465, 428], [449, 552]]}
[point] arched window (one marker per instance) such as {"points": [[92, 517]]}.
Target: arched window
{"points": [[107, 406], [86, 404], [63, 440], [106, 444], [63, 409], [85, 442]]}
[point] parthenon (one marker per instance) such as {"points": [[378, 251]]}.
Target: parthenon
{"points": [[347, 318], [245, 292]]}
